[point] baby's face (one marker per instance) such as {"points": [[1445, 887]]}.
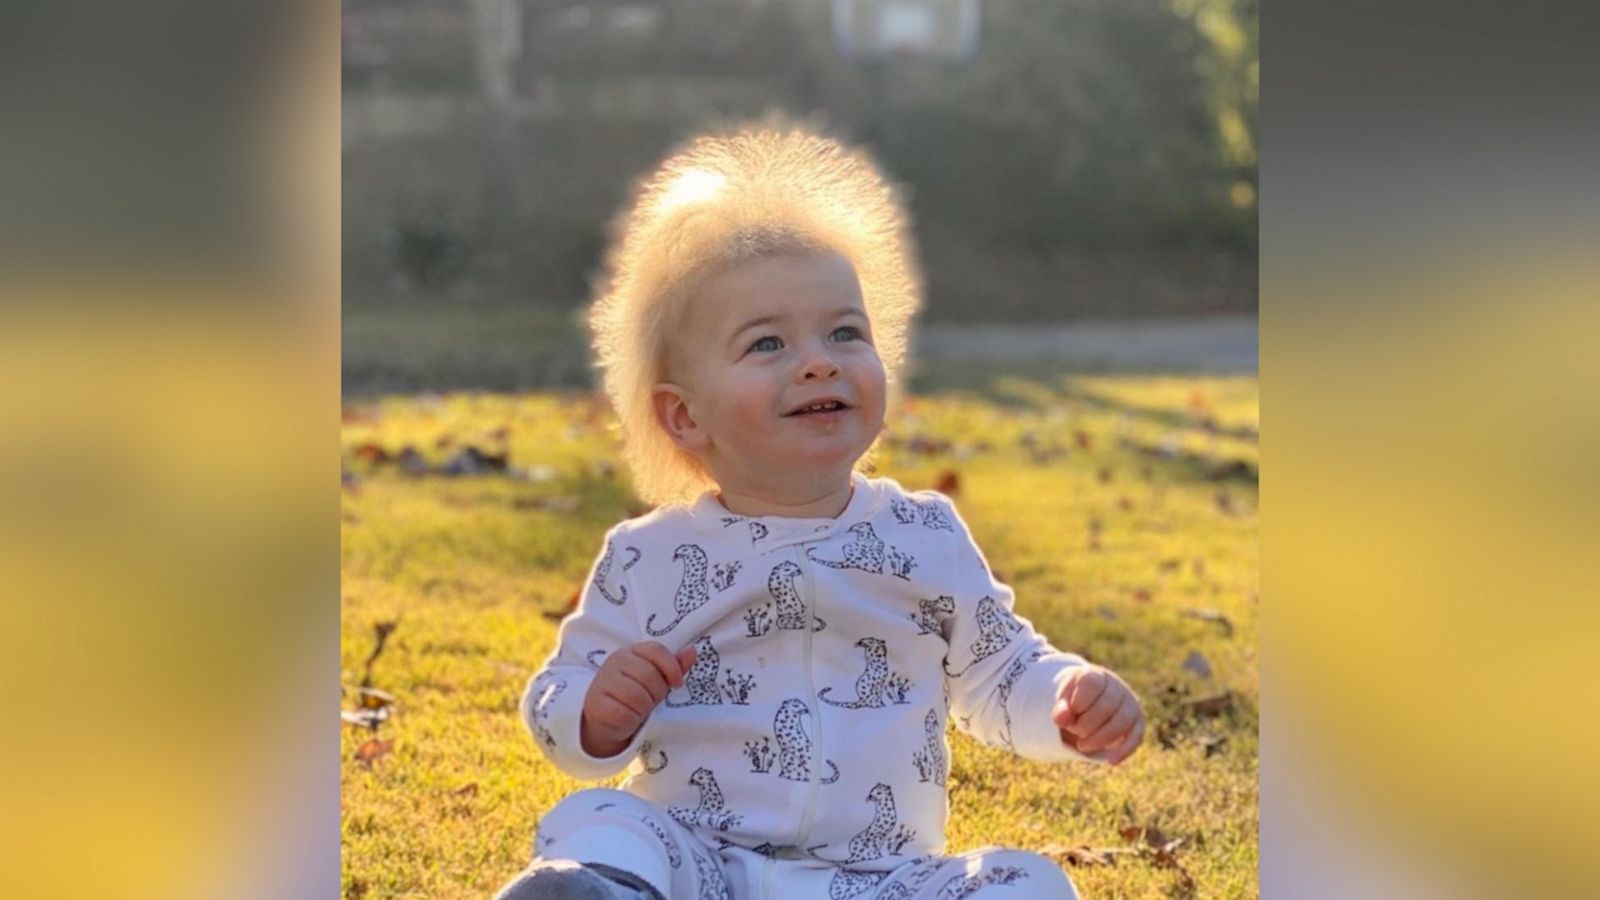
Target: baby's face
{"points": [[766, 342]]}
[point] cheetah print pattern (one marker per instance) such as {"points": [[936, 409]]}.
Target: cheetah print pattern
{"points": [[963, 886], [1014, 672], [927, 513], [712, 812], [794, 745], [874, 684], [544, 696], [693, 590], [674, 855], [848, 883], [701, 679], [883, 836], [930, 614], [781, 584], [865, 552], [712, 885], [925, 868], [647, 748], [996, 625], [603, 571], [935, 761]]}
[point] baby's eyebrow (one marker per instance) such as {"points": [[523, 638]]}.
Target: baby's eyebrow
{"points": [[761, 320]]}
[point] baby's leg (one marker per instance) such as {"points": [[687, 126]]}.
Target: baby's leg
{"points": [[992, 873], [628, 838]]}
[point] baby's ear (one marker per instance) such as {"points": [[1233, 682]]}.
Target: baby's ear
{"points": [[671, 404]]}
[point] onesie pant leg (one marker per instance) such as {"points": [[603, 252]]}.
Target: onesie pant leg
{"points": [[990, 873], [607, 827]]}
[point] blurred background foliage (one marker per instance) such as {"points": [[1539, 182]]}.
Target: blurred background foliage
{"points": [[1089, 159]]}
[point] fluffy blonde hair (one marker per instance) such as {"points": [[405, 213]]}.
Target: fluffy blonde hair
{"points": [[724, 198]]}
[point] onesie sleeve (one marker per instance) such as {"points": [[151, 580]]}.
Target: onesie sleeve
{"points": [[606, 618], [1003, 677]]}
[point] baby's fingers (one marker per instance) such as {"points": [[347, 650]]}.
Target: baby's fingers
{"points": [[632, 697], [1091, 720], [1125, 747], [1115, 729], [663, 660]]}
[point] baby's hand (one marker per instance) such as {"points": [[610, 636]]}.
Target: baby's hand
{"points": [[632, 682], [1099, 715]]}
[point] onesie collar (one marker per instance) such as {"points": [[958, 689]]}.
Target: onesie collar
{"points": [[768, 533]]}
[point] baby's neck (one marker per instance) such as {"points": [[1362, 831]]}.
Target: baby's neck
{"points": [[823, 503]]}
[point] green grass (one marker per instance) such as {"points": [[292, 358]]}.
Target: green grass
{"points": [[470, 567]]}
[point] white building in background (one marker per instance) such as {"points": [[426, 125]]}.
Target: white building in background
{"points": [[870, 29]]}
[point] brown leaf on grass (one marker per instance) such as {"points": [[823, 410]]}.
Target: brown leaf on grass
{"points": [[949, 483], [567, 609], [1151, 837], [1087, 856], [372, 453], [466, 790], [1083, 439], [371, 750], [1125, 503], [1142, 595], [1211, 615], [1214, 705]]}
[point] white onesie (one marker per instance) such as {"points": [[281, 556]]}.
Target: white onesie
{"points": [[809, 736]]}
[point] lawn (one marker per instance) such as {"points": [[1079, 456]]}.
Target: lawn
{"points": [[1147, 487]]}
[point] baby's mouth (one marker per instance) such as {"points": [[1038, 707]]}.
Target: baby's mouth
{"points": [[819, 407]]}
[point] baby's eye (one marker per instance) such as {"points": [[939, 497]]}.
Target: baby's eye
{"points": [[845, 333], [767, 344]]}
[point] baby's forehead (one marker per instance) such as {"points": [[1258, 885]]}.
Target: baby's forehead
{"points": [[791, 284]]}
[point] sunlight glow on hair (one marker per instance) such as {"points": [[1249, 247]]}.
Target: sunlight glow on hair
{"points": [[726, 197]]}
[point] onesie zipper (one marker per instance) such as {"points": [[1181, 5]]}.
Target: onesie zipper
{"points": [[811, 699]]}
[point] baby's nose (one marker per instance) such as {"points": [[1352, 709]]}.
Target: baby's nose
{"points": [[818, 367]]}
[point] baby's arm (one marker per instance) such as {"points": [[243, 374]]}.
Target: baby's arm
{"points": [[1004, 677], [564, 694]]}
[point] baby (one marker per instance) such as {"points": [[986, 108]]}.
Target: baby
{"points": [[773, 653]]}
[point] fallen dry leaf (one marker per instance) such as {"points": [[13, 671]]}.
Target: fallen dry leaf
{"points": [[1214, 705], [1142, 595], [372, 453], [371, 750], [1211, 615], [949, 483], [1083, 439]]}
